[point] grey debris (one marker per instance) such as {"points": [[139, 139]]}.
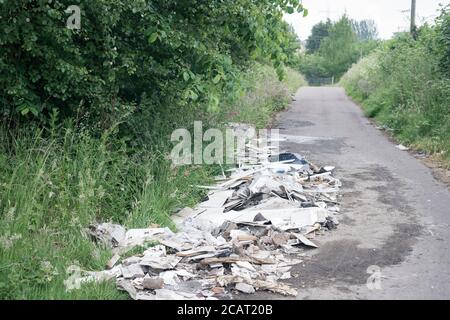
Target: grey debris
{"points": [[160, 262], [127, 285], [132, 271], [245, 288], [152, 282], [252, 228], [109, 234], [112, 262]]}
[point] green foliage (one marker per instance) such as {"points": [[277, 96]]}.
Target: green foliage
{"points": [[51, 189], [313, 67], [339, 49], [54, 182], [127, 51], [365, 29], [443, 39], [86, 117], [262, 95], [334, 46], [319, 32], [406, 86]]}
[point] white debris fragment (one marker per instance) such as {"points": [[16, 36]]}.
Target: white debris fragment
{"points": [[78, 276], [137, 237], [304, 240], [170, 278], [112, 262], [132, 271], [402, 147], [160, 263], [109, 234]]}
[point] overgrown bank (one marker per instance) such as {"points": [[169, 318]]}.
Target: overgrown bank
{"points": [[86, 117], [54, 184], [405, 85]]}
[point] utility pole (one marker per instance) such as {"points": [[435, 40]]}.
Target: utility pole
{"points": [[413, 19]]}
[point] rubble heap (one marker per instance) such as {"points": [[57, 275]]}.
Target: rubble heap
{"points": [[247, 234]]}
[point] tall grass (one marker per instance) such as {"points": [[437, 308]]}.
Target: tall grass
{"points": [[402, 86], [262, 95], [54, 183], [51, 189]]}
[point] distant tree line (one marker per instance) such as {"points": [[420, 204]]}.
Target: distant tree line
{"points": [[333, 47]]}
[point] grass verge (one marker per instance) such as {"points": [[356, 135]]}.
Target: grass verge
{"points": [[54, 183], [402, 88]]}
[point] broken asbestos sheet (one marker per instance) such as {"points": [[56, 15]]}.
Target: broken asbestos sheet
{"points": [[246, 236]]}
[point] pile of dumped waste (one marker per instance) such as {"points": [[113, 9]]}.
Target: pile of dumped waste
{"points": [[247, 234]]}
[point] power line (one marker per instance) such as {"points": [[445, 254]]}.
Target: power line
{"points": [[328, 11]]}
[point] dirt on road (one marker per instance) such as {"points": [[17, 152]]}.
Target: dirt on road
{"points": [[395, 216]]}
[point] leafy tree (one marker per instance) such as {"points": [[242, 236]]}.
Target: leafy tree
{"points": [[132, 56], [443, 38], [319, 32], [339, 49], [365, 29], [344, 42]]}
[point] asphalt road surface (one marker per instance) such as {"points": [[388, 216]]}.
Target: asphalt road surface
{"points": [[395, 217]]}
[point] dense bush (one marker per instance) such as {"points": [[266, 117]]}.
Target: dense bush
{"points": [[443, 39], [406, 85], [319, 32], [334, 46], [262, 95], [163, 52]]}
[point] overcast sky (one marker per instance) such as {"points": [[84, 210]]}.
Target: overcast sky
{"points": [[387, 14]]}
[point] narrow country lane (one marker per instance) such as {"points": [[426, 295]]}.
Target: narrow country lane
{"points": [[394, 215]]}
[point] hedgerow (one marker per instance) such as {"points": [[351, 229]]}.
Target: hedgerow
{"points": [[405, 84], [130, 55]]}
